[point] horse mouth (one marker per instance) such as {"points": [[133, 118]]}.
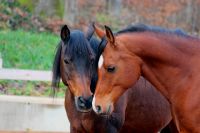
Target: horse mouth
{"points": [[108, 112], [84, 110]]}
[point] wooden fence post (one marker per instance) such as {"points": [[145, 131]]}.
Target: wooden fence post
{"points": [[1, 62]]}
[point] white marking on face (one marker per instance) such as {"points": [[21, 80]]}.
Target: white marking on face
{"points": [[93, 104], [100, 63]]}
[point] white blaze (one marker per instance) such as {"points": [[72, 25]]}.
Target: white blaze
{"points": [[100, 63], [93, 104]]}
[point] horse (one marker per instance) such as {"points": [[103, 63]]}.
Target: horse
{"points": [[168, 59], [76, 63]]}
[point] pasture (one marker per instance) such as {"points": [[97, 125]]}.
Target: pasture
{"points": [[27, 50]]}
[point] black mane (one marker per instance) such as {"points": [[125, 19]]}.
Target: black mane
{"points": [[56, 68], [144, 28]]}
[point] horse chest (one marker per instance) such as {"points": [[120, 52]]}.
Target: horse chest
{"points": [[88, 124]]}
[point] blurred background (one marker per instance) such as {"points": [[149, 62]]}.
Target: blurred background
{"points": [[29, 29]]}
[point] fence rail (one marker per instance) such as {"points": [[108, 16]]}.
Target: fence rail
{"points": [[33, 100], [20, 74]]}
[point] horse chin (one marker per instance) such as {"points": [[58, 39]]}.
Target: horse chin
{"points": [[109, 110], [84, 110]]}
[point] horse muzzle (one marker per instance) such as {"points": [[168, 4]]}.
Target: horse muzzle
{"points": [[83, 105]]}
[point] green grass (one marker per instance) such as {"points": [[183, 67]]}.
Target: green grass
{"points": [[27, 50]]}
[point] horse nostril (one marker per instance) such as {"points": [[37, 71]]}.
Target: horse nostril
{"points": [[98, 109], [81, 100]]}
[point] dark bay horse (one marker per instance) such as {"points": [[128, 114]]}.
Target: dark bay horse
{"points": [[170, 60], [141, 109]]}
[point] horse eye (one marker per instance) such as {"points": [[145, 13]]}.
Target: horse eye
{"points": [[67, 84], [66, 61], [110, 69]]}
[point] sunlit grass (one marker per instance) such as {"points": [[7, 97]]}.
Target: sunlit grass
{"points": [[27, 50]]}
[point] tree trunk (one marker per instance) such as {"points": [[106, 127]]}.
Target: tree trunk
{"points": [[70, 12], [115, 7], [46, 7]]}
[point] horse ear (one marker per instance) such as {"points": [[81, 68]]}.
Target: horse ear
{"points": [[65, 33], [100, 32], [109, 35], [90, 31]]}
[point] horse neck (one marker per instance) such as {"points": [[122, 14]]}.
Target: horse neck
{"points": [[166, 59]]}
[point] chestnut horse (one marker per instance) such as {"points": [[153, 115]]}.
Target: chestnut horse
{"points": [[169, 60], [141, 109]]}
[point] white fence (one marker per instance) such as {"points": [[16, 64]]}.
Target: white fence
{"points": [[18, 74], [19, 113]]}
